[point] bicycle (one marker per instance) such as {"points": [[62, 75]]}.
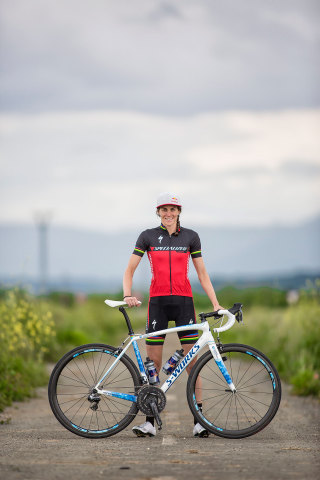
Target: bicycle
{"points": [[96, 390]]}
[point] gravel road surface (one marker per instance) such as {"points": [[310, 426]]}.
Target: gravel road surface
{"points": [[33, 445]]}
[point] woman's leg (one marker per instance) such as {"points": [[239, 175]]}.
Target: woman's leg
{"points": [[186, 347], [154, 352]]}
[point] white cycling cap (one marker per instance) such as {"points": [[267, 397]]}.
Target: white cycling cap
{"points": [[166, 198]]}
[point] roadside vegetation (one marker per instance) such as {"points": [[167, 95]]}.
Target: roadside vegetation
{"points": [[26, 332], [37, 330]]}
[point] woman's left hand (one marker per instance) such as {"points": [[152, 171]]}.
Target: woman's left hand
{"points": [[218, 307]]}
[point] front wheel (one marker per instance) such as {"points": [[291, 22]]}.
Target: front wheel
{"points": [[247, 410], [71, 384]]}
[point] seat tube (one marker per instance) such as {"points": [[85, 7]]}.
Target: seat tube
{"points": [[140, 361], [124, 313]]}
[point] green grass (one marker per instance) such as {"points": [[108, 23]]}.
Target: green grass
{"points": [[18, 379], [90, 322], [37, 330], [26, 331]]}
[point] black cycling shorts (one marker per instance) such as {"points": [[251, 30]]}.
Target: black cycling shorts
{"points": [[171, 307]]}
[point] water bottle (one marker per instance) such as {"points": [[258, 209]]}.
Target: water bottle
{"points": [[151, 372], [173, 362]]}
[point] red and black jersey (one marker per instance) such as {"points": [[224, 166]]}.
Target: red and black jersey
{"points": [[169, 259]]}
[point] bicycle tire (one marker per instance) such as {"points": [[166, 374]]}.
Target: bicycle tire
{"points": [[77, 372], [248, 410]]}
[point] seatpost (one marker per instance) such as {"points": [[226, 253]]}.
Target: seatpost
{"points": [[124, 313]]}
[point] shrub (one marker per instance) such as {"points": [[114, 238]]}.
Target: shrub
{"points": [[26, 330]]}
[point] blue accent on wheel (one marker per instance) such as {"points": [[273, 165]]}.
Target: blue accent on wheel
{"points": [[209, 423], [268, 369], [94, 431], [201, 415], [94, 350], [195, 402]]}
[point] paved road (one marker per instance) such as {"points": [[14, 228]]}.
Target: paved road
{"points": [[35, 446]]}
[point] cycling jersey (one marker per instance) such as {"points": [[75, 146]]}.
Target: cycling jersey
{"points": [[169, 259]]}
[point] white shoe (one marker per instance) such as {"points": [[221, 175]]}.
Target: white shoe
{"points": [[200, 431], [144, 430]]}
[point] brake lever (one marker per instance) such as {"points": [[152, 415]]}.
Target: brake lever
{"points": [[239, 316]]}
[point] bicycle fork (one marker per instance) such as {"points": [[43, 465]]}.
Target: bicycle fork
{"points": [[219, 361]]}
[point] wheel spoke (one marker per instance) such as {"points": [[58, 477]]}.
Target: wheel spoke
{"points": [[215, 373], [254, 384], [249, 422], [228, 399], [239, 381], [87, 411], [255, 400], [94, 368], [248, 380], [84, 400], [105, 367], [85, 361], [236, 382], [210, 380], [250, 407], [72, 400], [86, 381], [106, 404], [76, 379], [228, 412]]}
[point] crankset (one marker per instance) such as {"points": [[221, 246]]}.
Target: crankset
{"points": [[151, 401]]}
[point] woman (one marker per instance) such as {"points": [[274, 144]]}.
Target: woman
{"points": [[169, 248]]}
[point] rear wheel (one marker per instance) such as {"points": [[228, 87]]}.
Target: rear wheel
{"points": [[244, 412], [72, 381]]}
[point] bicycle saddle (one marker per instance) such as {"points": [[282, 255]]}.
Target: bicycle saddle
{"points": [[114, 303]]}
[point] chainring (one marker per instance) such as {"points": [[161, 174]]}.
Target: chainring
{"points": [[147, 394]]}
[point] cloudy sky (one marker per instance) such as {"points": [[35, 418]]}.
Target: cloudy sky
{"points": [[106, 103]]}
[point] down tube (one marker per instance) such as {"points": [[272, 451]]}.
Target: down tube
{"points": [[180, 368]]}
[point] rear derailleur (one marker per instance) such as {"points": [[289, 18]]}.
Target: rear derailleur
{"points": [[94, 398]]}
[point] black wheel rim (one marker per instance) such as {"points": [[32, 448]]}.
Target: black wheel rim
{"points": [[253, 404], [75, 382]]}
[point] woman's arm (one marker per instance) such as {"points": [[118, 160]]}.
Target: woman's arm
{"points": [[205, 282], [127, 281]]}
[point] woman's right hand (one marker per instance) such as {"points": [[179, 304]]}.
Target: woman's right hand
{"points": [[132, 302]]}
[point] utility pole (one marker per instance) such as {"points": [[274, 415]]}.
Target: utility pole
{"points": [[42, 221]]}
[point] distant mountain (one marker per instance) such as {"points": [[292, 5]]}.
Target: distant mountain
{"points": [[99, 259]]}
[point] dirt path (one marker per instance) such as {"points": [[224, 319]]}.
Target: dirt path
{"points": [[35, 446]]}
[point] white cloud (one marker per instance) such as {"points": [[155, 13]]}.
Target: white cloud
{"points": [[264, 139], [103, 170]]}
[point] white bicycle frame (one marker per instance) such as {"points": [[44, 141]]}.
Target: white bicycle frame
{"points": [[205, 339]]}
